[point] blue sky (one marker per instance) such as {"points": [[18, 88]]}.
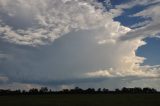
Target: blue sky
{"points": [[150, 51], [85, 43]]}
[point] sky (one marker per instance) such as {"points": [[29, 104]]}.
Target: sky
{"points": [[87, 43]]}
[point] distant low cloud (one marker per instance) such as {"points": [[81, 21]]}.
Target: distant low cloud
{"points": [[3, 79]]}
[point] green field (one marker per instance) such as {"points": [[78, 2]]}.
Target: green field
{"points": [[82, 100]]}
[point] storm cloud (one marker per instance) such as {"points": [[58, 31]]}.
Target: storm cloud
{"points": [[68, 42]]}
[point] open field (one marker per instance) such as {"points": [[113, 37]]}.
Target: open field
{"points": [[82, 100]]}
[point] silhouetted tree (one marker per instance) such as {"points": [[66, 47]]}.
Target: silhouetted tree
{"points": [[117, 90], [65, 91], [24, 92], [99, 90], [105, 90], [33, 91], [138, 90], [43, 90], [149, 90], [90, 90], [77, 90]]}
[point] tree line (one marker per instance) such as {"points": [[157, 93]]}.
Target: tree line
{"points": [[77, 90]]}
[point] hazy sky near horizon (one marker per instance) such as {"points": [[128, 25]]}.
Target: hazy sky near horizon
{"points": [[85, 43]]}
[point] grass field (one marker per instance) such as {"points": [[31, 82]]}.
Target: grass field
{"points": [[82, 100]]}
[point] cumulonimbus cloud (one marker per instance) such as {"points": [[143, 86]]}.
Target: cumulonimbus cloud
{"points": [[102, 46]]}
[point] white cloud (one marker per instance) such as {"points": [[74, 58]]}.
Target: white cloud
{"points": [[4, 56], [22, 86], [131, 4], [3, 79], [150, 25], [140, 24], [148, 73], [46, 20]]}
